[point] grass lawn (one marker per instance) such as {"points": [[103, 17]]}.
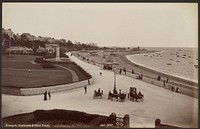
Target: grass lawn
{"points": [[36, 78], [15, 73], [81, 75], [19, 62]]}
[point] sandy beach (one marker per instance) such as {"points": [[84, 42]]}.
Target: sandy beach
{"points": [[171, 107]]}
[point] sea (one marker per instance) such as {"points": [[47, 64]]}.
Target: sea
{"points": [[180, 62]]}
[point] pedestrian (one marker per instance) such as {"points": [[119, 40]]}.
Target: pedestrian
{"points": [[120, 71], [159, 78], [167, 80], [49, 94], [132, 71], [177, 89], [88, 81], [164, 83], [29, 70], [100, 73], [172, 88], [125, 71], [85, 89], [99, 90], [45, 95]]}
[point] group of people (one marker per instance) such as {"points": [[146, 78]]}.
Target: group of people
{"points": [[45, 95], [120, 71]]}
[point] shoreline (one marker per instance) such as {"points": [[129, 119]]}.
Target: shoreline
{"points": [[165, 75]]}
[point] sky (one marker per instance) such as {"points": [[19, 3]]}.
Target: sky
{"points": [[107, 24]]}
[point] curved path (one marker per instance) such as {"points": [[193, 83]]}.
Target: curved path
{"points": [[74, 75], [170, 107]]}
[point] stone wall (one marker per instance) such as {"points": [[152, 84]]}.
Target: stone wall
{"points": [[57, 88], [41, 90]]}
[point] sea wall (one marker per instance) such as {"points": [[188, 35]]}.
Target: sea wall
{"points": [[41, 90], [183, 88]]}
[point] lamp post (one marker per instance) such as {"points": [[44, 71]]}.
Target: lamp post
{"points": [[115, 89]]}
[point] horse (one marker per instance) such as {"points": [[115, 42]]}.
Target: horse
{"points": [[111, 96], [122, 97], [136, 97], [97, 94]]}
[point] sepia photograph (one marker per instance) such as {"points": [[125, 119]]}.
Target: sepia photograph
{"points": [[99, 65]]}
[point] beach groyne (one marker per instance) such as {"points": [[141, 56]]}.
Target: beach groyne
{"points": [[185, 87]]}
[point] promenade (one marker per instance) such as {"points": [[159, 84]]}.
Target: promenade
{"points": [[171, 107]]}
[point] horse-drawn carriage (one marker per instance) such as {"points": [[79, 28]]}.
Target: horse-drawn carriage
{"points": [[97, 94], [117, 96], [134, 96]]}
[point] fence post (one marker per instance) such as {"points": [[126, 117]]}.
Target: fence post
{"points": [[126, 121], [112, 119], [157, 123]]}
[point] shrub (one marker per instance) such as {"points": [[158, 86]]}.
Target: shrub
{"points": [[40, 60], [59, 114], [48, 65]]}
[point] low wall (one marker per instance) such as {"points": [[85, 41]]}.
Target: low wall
{"points": [[10, 90], [183, 88], [41, 90]]}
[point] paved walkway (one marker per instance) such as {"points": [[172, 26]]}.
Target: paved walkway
{"points": [[74, 75]]}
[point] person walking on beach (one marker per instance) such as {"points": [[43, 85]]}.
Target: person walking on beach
{"points": [[49, 94], [85, 89], [45, 95]]}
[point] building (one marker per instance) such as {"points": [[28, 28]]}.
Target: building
{"points": [[19, 50]]}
